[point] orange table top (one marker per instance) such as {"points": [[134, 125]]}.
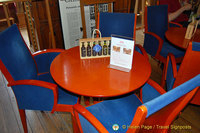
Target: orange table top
{"points": [[93, 78], [176, 36]]}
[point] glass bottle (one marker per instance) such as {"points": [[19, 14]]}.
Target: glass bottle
{"points": [[109, 45], [88, 49], [105, 48], [83, 50], [100, 52], [94, 53]]}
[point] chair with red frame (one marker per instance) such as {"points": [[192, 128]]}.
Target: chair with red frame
{"points": [[190, 67], [28, 75], [122, 24], [129, 114], [155, 43]]}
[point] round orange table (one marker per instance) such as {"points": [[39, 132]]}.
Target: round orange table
{"points": [[93, 78], [176, 36]]}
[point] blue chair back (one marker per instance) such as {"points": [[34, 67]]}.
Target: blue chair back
{"points": [[15, 55], [157, 20], [122, 24]]}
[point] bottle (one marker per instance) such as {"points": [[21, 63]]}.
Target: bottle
{"points": [[109, 47], [83, 50], [94, 53], [105, 48], [100, 52], [88, 49]]}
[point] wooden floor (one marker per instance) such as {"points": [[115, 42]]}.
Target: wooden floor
{"points": [[45, 122]]}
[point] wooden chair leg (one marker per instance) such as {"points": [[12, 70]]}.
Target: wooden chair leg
{"points": [[75, 126], [23, 119]]}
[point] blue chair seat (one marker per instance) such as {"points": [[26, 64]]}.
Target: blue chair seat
{"points": [[168, 48], [109, 112], [64, 97]]}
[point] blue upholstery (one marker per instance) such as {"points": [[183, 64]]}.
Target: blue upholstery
{"points": [[117, 23], [169, 48], [34, 97], [170, 77], [64, 97], [44, 60], [157, 19], [149, 93], [151, 44], [157, 23], [118, 111], [195, 46], [20, 63], [15, 55], [172, 95]]}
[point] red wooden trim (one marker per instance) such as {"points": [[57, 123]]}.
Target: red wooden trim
{"points": [[165, 72], [23, 119], [134, 30], [63, 108], [173, 65], [145, 20], [98, 19], [75, 125], [78, 123], [90, 117], [5, 72], [138, 119], [195, 100], [156, 86], [35, 83], [48, 51], [182, 102], [176, 24], [142, 50], [42, 73]]}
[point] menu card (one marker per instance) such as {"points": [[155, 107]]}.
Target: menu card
{"points": [[121, 53]]}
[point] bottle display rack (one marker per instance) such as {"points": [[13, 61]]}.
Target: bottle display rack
{"points": [[88, 51]]}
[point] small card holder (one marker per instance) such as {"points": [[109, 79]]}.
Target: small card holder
{"points": [[95, 47]]}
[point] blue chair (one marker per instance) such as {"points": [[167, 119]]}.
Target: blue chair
{"points": [[155, 43], [122, 24], [128, 114], [28, 75], [190, 67]]}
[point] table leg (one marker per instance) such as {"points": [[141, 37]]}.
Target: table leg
{"points": [[82, 102]]}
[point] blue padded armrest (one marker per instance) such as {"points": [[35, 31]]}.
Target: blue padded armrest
{"points": [[151, 44], [34, 97], [44, 61], [172, 95]]}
